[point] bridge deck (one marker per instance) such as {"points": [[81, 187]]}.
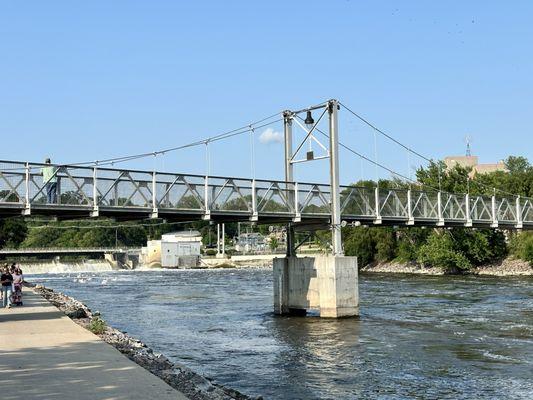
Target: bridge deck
{"points": [[84, 192]]}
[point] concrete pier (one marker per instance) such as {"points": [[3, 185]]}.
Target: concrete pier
{"points": [[45, 355], [325, 283]]}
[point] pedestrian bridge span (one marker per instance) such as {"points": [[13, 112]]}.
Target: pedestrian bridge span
{"points": [[85, 192]]}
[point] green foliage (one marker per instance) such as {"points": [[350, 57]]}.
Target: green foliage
{"points": [[97, 326], [473, 244], [210, 252], [386, 246], [359, 242], [9, 196], [440, 251], [273, 244], [12, 232], [376, 244], [78, 234], [409, 240], [521, 246], [459, 249], [454, 180]]}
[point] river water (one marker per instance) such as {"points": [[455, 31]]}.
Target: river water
{"points": [[417, 337]]}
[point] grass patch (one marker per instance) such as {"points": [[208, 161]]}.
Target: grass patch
{"points": [[97, 326]]}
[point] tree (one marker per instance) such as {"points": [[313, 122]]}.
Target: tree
{"points": [[409, 241], [517, 165], [359, 242], [12, 232], [274, 243], [439, 251], [521, 246]]}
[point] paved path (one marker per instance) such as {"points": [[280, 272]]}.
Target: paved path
{"points": [[44, 355]]}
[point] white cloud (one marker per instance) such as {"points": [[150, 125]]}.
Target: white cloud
{"points": [[270, 136]]}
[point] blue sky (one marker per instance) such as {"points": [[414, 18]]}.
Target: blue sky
{"points": [[86, 81]]}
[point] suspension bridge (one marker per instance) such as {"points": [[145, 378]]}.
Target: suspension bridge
{"points": [[93, 189], [84, 192]]}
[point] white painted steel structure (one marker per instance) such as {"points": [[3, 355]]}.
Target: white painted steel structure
{"points": [[131, 194]]}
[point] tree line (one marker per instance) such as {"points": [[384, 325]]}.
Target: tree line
{"points": [[450, 249]]}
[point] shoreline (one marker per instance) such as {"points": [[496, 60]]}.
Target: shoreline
{"points": [[178, 376], [508, 267]]}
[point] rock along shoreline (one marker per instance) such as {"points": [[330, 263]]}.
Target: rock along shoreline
{"points": [[507, 267], [180, 377]]}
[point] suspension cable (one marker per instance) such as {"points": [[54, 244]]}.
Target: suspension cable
{"points": [[377, 164], [222, 136], [376, 129]]}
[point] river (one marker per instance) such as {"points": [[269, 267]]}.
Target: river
{"points": [[418, 336]]}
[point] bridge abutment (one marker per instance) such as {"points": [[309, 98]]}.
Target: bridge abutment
{"points": [[325, 283]]}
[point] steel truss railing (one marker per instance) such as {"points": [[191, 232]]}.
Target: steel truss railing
{"points": [[95, 189]]}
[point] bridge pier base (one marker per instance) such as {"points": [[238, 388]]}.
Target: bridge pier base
{"points": [[326, 283]]}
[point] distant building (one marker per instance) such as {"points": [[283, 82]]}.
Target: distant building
{"points": [[250, 242], [174, 250], [472, 161]]}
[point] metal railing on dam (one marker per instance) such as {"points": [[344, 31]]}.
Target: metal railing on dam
{"points": [[130, 194]]}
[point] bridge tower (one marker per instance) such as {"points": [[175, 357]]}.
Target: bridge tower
{"points": [[328, 283]]}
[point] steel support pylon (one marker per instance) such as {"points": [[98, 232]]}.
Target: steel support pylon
{"points": [[336, 239], [331, 107]]}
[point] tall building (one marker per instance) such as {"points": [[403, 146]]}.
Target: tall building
{"points": [[473, 162]]}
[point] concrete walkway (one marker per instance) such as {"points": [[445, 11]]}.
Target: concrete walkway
{"points": [[44, 355]]}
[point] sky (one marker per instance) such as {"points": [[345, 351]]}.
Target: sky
{"points": [[84, 81]]}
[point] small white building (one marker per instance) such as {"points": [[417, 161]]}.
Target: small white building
{"points": [[174, 250], [180, 249]]}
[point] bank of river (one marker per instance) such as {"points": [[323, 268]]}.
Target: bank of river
{"points": [[507, 267], [455, 337]]}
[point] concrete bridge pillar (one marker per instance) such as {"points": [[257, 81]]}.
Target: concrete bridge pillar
{"points": [[325, 283]]}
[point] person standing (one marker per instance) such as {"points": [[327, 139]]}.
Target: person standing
{"points": [[7, 282], [50, 181], [18, 280]]}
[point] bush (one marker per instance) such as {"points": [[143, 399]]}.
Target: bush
{"points": [[385, 240], [409, 241], [440, 251], [97, 326], [522, 246], [210, 252], [527, 250], [473, 244], [359, 242]]}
